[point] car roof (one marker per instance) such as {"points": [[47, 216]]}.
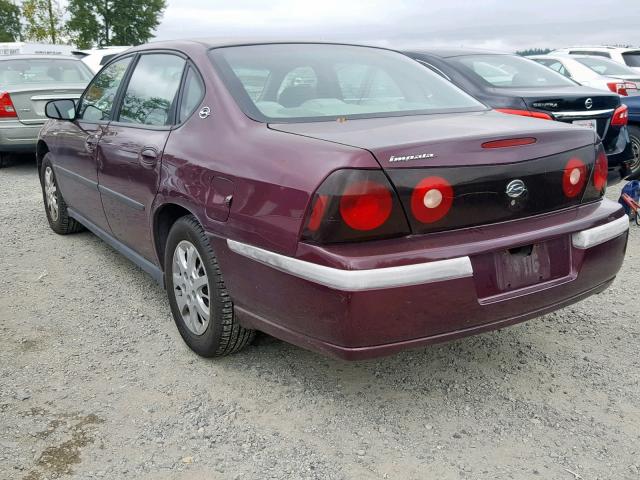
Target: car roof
{"points": [[600, 47], [38, 57], [453, 52], [236, 42]]}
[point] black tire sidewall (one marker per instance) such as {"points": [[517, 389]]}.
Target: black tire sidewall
{"points": [[634, 136], [56, 225], [208, 343]]}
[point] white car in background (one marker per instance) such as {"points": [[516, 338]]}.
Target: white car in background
{"points": [[624, 55], [596, 72], [98, 58]]}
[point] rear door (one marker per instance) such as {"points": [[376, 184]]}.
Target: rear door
{"points": [[132, 146], [75, 151]]}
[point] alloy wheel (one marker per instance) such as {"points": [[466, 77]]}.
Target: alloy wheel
{"points": [[51, 193], [191, 287]]}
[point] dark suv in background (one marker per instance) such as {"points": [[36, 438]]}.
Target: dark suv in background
{"points": [[516, 85]]}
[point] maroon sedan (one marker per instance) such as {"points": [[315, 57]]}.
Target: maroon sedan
{"points": [[339, 197]]}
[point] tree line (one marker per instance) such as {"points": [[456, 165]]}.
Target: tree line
{"points": [[83, 23]]}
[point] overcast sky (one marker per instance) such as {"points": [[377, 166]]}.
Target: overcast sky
{"points": [[498, 24]]}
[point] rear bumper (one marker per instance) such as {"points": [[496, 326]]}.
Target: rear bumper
{"points": [[18, 137], [356, 313]]}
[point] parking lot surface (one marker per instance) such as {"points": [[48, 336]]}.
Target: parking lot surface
{"points": [[95, 382]]}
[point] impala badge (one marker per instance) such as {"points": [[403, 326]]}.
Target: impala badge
{"points": [[588, 103], [204, 113], [516, 188], [408, 158]]}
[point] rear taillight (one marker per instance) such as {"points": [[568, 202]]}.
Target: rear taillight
{"points": [[431, 200], [620, 116], [525, 113], [574, 177], [622, 88], [601, 172], [355, 205], [366, 205], [7, 110]]}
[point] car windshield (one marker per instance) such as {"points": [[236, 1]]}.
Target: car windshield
{"points": [[307, 82], [632, 59], [510, 71], [43, 71], [604, 66]]}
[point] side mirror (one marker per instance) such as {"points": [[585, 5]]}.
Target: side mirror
{"points": [[61, 109]]}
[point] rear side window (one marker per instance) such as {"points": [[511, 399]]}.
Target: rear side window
{"points": [[555, 65], [632, 59], [97, 103], [151, 93], [192, 96]]}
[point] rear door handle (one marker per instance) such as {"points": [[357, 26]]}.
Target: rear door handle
{"points": [[148, 157]]}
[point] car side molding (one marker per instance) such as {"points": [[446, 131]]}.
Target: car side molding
{"points": [[600, 234], [359, 280], [156, 272]]}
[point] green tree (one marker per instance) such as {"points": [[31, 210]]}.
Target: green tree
{"points": [[43, 21], [533, 51], [9, 22], [113, 22]]}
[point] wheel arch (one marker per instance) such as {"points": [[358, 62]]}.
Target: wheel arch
{"points": [[164, 217], [41, 150]]}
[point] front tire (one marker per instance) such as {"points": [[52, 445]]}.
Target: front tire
{"points": [[199, 301], [54, 204], [634, 136]]}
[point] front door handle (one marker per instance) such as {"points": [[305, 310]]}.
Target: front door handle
{"points": [[148, 157]]}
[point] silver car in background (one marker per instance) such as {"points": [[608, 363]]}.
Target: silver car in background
{"points": [[593, 71], [27, 83]]}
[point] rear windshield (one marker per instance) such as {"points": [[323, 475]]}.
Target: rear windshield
{"points": [[604, 66], [632, 59], [43, 71], [510, 71], [308, 82]]}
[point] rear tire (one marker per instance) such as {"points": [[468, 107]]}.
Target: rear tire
{"points": [[634, 136], [200, 304], [3, 159], [54, 204]]}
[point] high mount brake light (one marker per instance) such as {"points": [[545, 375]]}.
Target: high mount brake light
{"points": [[509, 142], [525, 113], [7, 110], [353, 205], [620, 116], [431, 200], [574, 177]]}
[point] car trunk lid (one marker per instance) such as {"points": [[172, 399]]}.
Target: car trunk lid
{"points": [[30, 102], [579, 105], [445, 139], [457, 148]]}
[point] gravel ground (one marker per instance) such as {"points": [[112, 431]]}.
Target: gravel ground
{"points": [[95, 382]]}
